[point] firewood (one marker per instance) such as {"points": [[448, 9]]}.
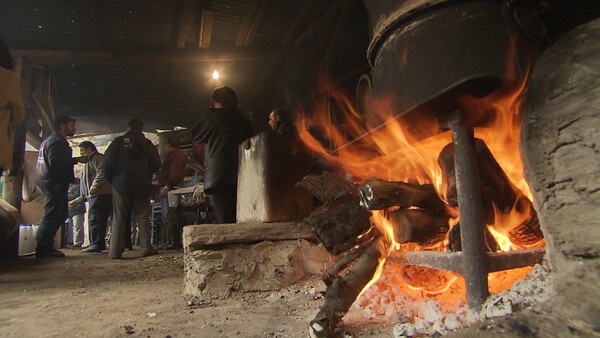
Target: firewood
{"points": [[498, 193], [344, 290], [379, 194], [327, 186], [528, 233], [339, 222], [446, 163], [348, 257], [455, 244], [201, 236], [424, 227]]}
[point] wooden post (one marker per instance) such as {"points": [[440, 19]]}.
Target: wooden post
{"points": [[13, 179]]}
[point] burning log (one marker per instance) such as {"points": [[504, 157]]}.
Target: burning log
{"points": [[499, 195], [378, 194], [344, 290], [454, 241], [347, 258], [424, 227], [339, 223], [528, 233], [446, 163], [344, 227], [425, 223], [327, 186]]}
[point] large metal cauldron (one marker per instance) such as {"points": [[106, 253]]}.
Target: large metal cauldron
{"points": [[430, 52]]}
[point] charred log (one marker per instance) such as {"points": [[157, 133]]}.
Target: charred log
{"points": [[446, 163], [528, 233], [424, 227], [499, 195], [344, 290], [339, 223], [327, 186], [378, 194], [348, 257]]}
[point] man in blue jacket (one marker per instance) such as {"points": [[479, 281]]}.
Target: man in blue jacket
{"points": [[56, 164], [129, 164]]}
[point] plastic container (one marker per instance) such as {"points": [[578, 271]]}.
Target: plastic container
{"points": [[26, 239]]}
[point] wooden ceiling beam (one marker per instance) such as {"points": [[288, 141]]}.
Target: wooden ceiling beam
{"points": [[184, 21], [246, 22], [342, 20], [206, 27], [33, 139], [94, 24], [65, 58], [317, 25], [298, 22], [251, 22], [43, 113], [258, 19]]}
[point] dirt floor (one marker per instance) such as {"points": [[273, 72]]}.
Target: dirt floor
{"points": [[89, 295]]}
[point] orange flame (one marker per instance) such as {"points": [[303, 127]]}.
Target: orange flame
{"points": [[381, 145]]}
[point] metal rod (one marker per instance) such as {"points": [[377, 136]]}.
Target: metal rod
{"points": [[468, 189], [498, 261], [449, 261], [453, 261]]}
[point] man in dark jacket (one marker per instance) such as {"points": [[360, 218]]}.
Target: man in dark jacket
{"points": [[129, 163], [222, 128], [170, 176], [56, 164]]}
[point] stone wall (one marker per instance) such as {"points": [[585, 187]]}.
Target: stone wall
{"points": [[214, 271], [560, 150]]}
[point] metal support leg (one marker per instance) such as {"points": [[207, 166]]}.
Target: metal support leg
{"points": [[473, 263], [468, 189]]}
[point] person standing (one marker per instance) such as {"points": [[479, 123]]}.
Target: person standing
{"points": [[98, 192], [12, 109], [129, 164], [56, 164], [279, 122], [222, 128], [75, 233], [171, 175]]}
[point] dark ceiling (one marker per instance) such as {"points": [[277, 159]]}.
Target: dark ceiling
{"points": [[154, 58], [114, 59]]}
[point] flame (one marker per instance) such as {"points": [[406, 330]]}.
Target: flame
{"points": [[502, 240], [382, 145], [384, 251], [365, 149]]}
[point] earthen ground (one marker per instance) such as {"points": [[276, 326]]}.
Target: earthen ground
{"points": [[89, 295]]}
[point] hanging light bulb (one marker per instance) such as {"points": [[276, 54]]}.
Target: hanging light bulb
{"points": [[215, 74]]}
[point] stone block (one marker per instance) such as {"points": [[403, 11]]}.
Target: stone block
{"points": [[266, 266], [269, 169]]}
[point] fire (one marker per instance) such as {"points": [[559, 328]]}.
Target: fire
{"points": [[381, 145], [376, 147]]}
